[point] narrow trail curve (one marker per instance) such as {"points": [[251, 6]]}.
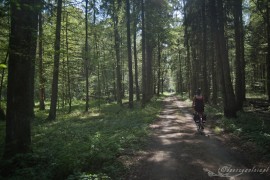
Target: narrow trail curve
{"points": [[176, 151]]}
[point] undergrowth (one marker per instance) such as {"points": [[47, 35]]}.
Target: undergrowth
{"points": [[82, 145], [253, 131]]}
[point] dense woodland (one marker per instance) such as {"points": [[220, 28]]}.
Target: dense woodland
{"points": [[54, 54]]}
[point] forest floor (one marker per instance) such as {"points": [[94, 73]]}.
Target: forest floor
{"points": [[176, 151]]}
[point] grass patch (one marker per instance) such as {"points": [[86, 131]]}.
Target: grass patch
{"points": [[83, 145]]}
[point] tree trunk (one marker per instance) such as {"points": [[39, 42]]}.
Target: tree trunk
{"points": [[22, 42], [180, 71], [54, 97], [68, 69], [228, 94], [162, 82], [239, 51], [117, 53], [159, 67], [268, 50], [213, 51], [205, 85], [114, 84], [149, 53], [194, 71], [96, 52], [214, 77], [86, 59], [129, 55], [135, 55], [41, 71], [143, 57], [188, 51]]}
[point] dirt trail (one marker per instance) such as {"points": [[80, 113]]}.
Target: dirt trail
{"points": [[177, 152]]}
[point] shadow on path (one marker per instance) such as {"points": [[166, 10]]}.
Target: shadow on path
{"points": [[176, 151]]}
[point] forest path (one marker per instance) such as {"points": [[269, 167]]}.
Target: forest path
{"points": [[175, 150]]}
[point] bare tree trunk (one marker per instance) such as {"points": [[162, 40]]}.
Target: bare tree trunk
{"points": [[159, 66], [135, 22], [228, 93], [204, 54], [180, 71], [268, 49], [213, 51], [214, 77], [239, 51], [129, 55], [22, 42], [136, 63], [149, 48], [188, 51], [194, 71], [96, 54], [162, 82], [68, 69], [144, 93], [86, 58], [117, 53], [54, 97], [41, 71]]}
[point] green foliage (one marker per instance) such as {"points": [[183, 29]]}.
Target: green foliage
{"points": [[3, 66], [248, 127], [84, 145]]}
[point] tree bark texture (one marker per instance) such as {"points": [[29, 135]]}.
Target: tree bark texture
{"points": [[188, 62], [159, 67], [54, 97], [41, 71], [68, 69], [227, 88], [268, 49], [135, 22], [22, 42], [86, 59], [130, 73], [205, 85], [144, 93], [117, 52], [239, 51], [149, 48]]}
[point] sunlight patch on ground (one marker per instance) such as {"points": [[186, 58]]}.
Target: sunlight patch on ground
{"points": [[171, 129], [87, 115], [167, 116], [160, 156], [218, 130]]}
